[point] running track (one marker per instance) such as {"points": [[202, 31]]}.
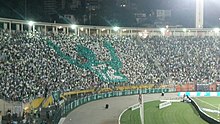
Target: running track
{"points": [[95, 112]]}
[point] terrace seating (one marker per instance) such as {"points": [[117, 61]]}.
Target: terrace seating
{"points": [[30, 67]]}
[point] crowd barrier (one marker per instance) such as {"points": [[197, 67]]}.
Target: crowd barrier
{"points": [[53, 114], [197, 94], [103, 90], [203, 115], [70, 105]]}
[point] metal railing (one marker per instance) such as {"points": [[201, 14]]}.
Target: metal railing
{"points": [[72, 104], [54, 113]]}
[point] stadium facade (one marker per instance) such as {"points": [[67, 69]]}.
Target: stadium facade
{"points": [[23, 25]]}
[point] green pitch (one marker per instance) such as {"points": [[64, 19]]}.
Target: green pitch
{"points": [[177, 113], [211, 103]]}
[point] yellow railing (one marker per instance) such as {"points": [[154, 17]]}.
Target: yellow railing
{"points": [[78, 92], [33, 104], [49, 100], [36, 102], [121, 88], [103, 90]]}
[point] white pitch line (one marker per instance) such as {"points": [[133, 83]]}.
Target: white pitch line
{"points": [[206, 102]]}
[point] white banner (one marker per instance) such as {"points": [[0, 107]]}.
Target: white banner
{"points": [[165, 104]]}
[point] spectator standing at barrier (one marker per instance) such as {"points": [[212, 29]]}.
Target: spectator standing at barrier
{"points": [[106, 106], [9, 115], [0, 117], [162, 94]]}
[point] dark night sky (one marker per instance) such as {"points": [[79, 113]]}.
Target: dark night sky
{"points": [[183, 11]]}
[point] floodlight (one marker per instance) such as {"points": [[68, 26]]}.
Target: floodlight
{"points": [[115, 28], [81, 29], [73, 26], [59, 27], [31, 23], [140, 34], [103, 29], [216, 30], [162, 30], [184, 30], [124, 30]]}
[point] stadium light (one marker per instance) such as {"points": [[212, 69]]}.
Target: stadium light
{"points": [[81, 29], [162, 30], [184, 30], [115, 28], [216, 30], [140, 34], [31, 23], [73, 26], [103, 29]]}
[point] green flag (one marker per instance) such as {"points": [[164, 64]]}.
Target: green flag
{"points": [[56, 96], [107, 71]]}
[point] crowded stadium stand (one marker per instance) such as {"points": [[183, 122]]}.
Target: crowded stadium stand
{"points": [[43, 68]]}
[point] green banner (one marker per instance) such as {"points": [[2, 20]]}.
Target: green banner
{"points": [[108, 71], [56, 96]]}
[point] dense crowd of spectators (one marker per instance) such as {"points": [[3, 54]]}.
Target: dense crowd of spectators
{"points": [[30, 68]]}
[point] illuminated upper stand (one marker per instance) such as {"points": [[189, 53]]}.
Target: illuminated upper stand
{"points": [[31, 26]]}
